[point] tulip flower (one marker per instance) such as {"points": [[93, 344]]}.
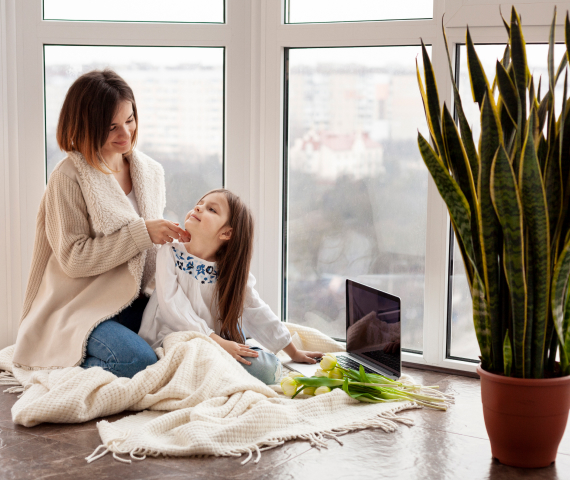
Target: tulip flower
{"points": [[328, 362], [364, 387], [321, 390], [336, 373], [289, 386]]}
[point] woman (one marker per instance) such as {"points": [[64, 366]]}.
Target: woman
{"points": [[93, 254]]}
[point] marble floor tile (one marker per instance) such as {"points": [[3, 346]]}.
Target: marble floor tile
{"points": [[230, 467], [442, 445], [42, 457], [9, 438], [410, 453], [48, 429], [6, 402]]}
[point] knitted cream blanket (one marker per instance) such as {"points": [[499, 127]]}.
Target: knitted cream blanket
{"points": [[196, 400]]}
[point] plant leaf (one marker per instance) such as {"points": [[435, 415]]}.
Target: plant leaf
{"points": [[508, 92], [559, 288], [489, 230], [535, 210], [460, 214], [561, 67], [479, 82], [452, 195], [432, 105], [507, 355], [551, 79], [466, 133], [481, 320], [507, 203], [518, 59], [505, 23]]}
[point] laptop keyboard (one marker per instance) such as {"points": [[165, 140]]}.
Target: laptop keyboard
{"points": [[385, 359], [347, 362], [382, 357]]}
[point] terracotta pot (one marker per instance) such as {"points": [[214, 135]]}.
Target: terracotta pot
{"points": [[525, 418]]}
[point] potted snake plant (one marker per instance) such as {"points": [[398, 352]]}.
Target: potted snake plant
{"points": [[509, 203]]}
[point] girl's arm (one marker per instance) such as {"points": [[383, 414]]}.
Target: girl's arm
{"points": [[236, 350], [176, 312], [262, 324], [301, 356]]}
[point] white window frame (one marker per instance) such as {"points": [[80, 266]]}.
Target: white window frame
{"points": [[255, 37]]}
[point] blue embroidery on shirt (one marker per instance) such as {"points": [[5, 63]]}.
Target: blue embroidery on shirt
{"points": [[195, 267]]}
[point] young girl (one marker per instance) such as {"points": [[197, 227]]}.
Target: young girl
{"points": [[205, 286]]}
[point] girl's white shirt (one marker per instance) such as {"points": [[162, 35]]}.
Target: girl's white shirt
{"points": [[183, 301]]}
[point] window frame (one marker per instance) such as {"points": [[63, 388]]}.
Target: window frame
{"points": [[255, 37]]}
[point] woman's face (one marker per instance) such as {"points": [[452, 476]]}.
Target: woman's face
{"points": [[209, 218], [121, 131]]}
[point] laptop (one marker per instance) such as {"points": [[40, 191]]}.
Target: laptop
{"points": [[373, 333]]}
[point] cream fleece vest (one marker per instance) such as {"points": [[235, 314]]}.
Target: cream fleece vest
{"points": [[92, 254]]}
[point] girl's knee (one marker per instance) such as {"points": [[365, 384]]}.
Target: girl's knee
{"points": [[266, 367]]}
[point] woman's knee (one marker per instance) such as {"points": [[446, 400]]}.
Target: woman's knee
{"points": [[141, 359], [119, 350], [146, 358]]}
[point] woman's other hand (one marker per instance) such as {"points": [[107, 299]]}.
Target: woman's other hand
{"points": [[164, 231]]}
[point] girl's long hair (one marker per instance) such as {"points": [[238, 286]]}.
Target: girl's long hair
{"points": [[233, 260]]}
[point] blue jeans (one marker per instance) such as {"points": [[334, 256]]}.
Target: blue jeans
{"points": [[115, 346], [266, 367]]}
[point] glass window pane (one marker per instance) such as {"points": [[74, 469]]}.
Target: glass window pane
{"points": [[356, 184], [176, 11], [323, 11], [463, 343], [180, 100]]}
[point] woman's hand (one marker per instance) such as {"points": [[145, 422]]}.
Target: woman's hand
{"points": [[301, 356], [164, 231], [236, 350]]}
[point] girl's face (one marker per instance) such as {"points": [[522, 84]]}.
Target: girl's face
{"points": [[121, 131], [208, 220]]}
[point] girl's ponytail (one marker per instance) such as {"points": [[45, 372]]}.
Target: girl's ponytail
{"points": [[233, 260]]}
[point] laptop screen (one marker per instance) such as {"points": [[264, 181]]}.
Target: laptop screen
{"points": [[373, 326]]}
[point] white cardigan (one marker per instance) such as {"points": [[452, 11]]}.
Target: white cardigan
{"points": [[183, 297]]}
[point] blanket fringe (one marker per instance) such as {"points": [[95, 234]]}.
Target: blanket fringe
{"points": [[387, 421], [112, 445], [8, 379]]}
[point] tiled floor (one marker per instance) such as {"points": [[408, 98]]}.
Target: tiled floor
{"points": [[450, 445]]}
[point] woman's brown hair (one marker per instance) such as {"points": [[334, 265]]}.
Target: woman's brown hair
{"points": [[88, 111], [233, 260]]}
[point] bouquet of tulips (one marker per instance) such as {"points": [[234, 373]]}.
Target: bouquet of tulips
{"points": [[362, 386]]}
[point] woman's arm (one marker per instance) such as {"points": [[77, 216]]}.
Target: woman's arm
{"points": [[67, 230]]}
